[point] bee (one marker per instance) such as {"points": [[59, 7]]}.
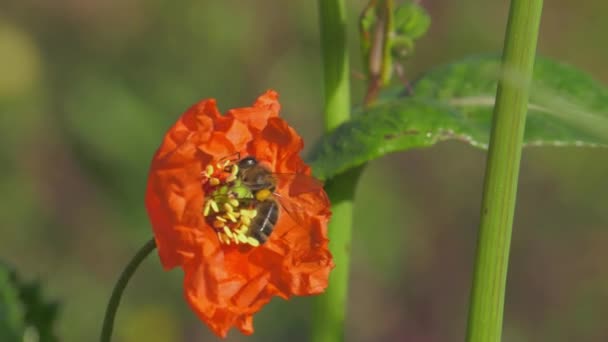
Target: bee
{"points": [[273, 193], [262, 184], [245, 199]]}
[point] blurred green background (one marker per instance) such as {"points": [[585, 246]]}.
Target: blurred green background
{"points": [[87, 89]]}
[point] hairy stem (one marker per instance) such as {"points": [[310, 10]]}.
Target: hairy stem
{"points": [[502, 171]]}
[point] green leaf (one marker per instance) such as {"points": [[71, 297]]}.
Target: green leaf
{"points": [[23, 310], [455, 101]]}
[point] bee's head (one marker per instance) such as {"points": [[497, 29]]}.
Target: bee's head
{"points": [[247, 163]]}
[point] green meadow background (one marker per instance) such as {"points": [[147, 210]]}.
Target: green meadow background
{"points": [[88, 88]]}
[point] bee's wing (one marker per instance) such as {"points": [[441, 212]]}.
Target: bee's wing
{"points": [[296, 184], [300, 195]]}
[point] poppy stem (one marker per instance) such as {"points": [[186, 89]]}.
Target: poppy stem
{"points": [[329, 310], [121, 284]]}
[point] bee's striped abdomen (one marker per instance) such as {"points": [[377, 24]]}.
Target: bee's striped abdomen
{"points": [[263, 223]]}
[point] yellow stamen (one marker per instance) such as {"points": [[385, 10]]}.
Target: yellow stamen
{"points": [[228, 232], [214, 206], [235, 170], [218, 224], [206, 208], [242, 229], [209, 170], [248, 213], [228, 208], [230, 178], [214, 181], [245, 220], [234, 202], [221, 219], [242, 238], [253, 241], [231, 217]]}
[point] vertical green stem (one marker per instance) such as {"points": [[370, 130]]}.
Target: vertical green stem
{"points": [[330, 308], [332, 14], [329, 311], [502, 170]]}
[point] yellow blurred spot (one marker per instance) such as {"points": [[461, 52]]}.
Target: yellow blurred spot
{"points": [[20, 61], [166, 325]]}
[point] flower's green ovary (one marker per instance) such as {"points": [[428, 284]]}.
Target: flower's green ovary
{"points": [[237, 189]]}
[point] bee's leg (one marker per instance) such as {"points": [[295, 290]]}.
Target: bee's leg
{"points": [[233, 170], [230, 159], [255, 187]]}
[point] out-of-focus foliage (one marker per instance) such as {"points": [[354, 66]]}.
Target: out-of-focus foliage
{"points": [[89, 87], [24, 314], [566, 108], [411, 23], [393, 31], [11, 310]]}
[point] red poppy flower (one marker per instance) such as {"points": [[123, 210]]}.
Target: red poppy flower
{"points": [[202, 213]]}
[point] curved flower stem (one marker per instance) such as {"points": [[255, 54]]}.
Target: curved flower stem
{"points": [[108, 320], [330, 308], [502, 171]]}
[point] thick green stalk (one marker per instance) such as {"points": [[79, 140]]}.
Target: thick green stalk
{"points": [[329, 313], [502, 170], [332, 15], [330, 308], [121, 284]]}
